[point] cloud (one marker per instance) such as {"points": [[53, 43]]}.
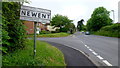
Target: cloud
{"points": [[76, 9]]}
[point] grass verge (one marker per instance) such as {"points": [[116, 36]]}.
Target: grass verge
{"points": [[46, 55], [52, 35]]}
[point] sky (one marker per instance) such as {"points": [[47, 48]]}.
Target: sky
{"points": [[76, 9]]}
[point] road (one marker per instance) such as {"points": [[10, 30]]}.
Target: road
{"points": [[73, 57], [103, 51]]}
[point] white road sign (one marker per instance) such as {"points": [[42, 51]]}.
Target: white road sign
{"points": [[35, 14]]}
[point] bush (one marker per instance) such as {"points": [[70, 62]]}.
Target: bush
{"points": [[57, 31], [112, 30], [44, 32], [13, 33]]}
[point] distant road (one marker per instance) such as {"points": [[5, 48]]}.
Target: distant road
{"points": [[101, 50]]}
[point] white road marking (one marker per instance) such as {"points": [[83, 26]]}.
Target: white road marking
{"points": [[100, 57], [107, 63], [94, 53], [91, 50], [86, 45], [104, 61]]}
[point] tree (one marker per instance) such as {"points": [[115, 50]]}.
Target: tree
{"points": [[13, 31], [70, 27], [80, 25], [99, 18], [60, 21]]}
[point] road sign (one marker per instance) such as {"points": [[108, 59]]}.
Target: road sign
{"points": [[35, 14]]}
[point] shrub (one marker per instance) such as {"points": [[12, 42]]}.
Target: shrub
{"points": [[13, 33], [44, 32], [112, 30]]}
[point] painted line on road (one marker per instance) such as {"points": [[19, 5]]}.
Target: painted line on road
{"points": [[91, 50], [94, 53], [100, 57], [88, 47], [107, 63], [85, 45]]}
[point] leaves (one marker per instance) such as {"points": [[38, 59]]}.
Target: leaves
{"points": [[13, 32], [99, 18], [80, 25], [61, 21]]}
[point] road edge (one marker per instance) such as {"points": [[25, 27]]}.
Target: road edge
{"points": [[84, 54]]}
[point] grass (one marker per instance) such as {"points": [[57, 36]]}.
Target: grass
{"points": [[52, 35], [46, 55]]}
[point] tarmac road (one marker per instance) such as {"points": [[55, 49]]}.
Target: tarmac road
{"points": [[103, 51], [72, 56]]}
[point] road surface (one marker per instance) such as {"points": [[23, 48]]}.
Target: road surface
{"points": [[73, 57], [103, 51]]}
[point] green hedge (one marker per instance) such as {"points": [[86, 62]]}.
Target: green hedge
{"points": [[112, 30], [13, 30]]}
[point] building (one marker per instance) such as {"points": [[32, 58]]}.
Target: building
{"points": [[40, 27], [52, 28], [30, 27]]}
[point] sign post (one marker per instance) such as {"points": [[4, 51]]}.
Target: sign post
{"points": [[34, 39], [36, 15]]}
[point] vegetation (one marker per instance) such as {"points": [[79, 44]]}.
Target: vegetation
{"points": [[0, 33], [44, 32], [99, 19], [101, 24], [52, 35], [80, 25], [17, 50], [46, 55], [70, 28], [13, 33], [111, 30], [63, 22]]}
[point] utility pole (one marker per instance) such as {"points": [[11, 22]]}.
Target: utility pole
{"points": [[113, 16]]}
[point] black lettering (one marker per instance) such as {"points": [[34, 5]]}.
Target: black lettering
{"points": [[39, 15], [23, 12], [28, 13], [34, 14], [43, 15], [48, 16]]}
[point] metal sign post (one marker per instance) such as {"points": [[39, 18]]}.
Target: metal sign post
{"points": [[34, 39]]}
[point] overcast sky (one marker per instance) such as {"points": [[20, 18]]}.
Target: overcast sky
{"points": [[76, 9]]}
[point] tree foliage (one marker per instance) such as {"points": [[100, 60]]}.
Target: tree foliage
{"points": [[70, 27], [110, 30], [61, 21], [80, 25], [99, 18], [13, 33]]}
